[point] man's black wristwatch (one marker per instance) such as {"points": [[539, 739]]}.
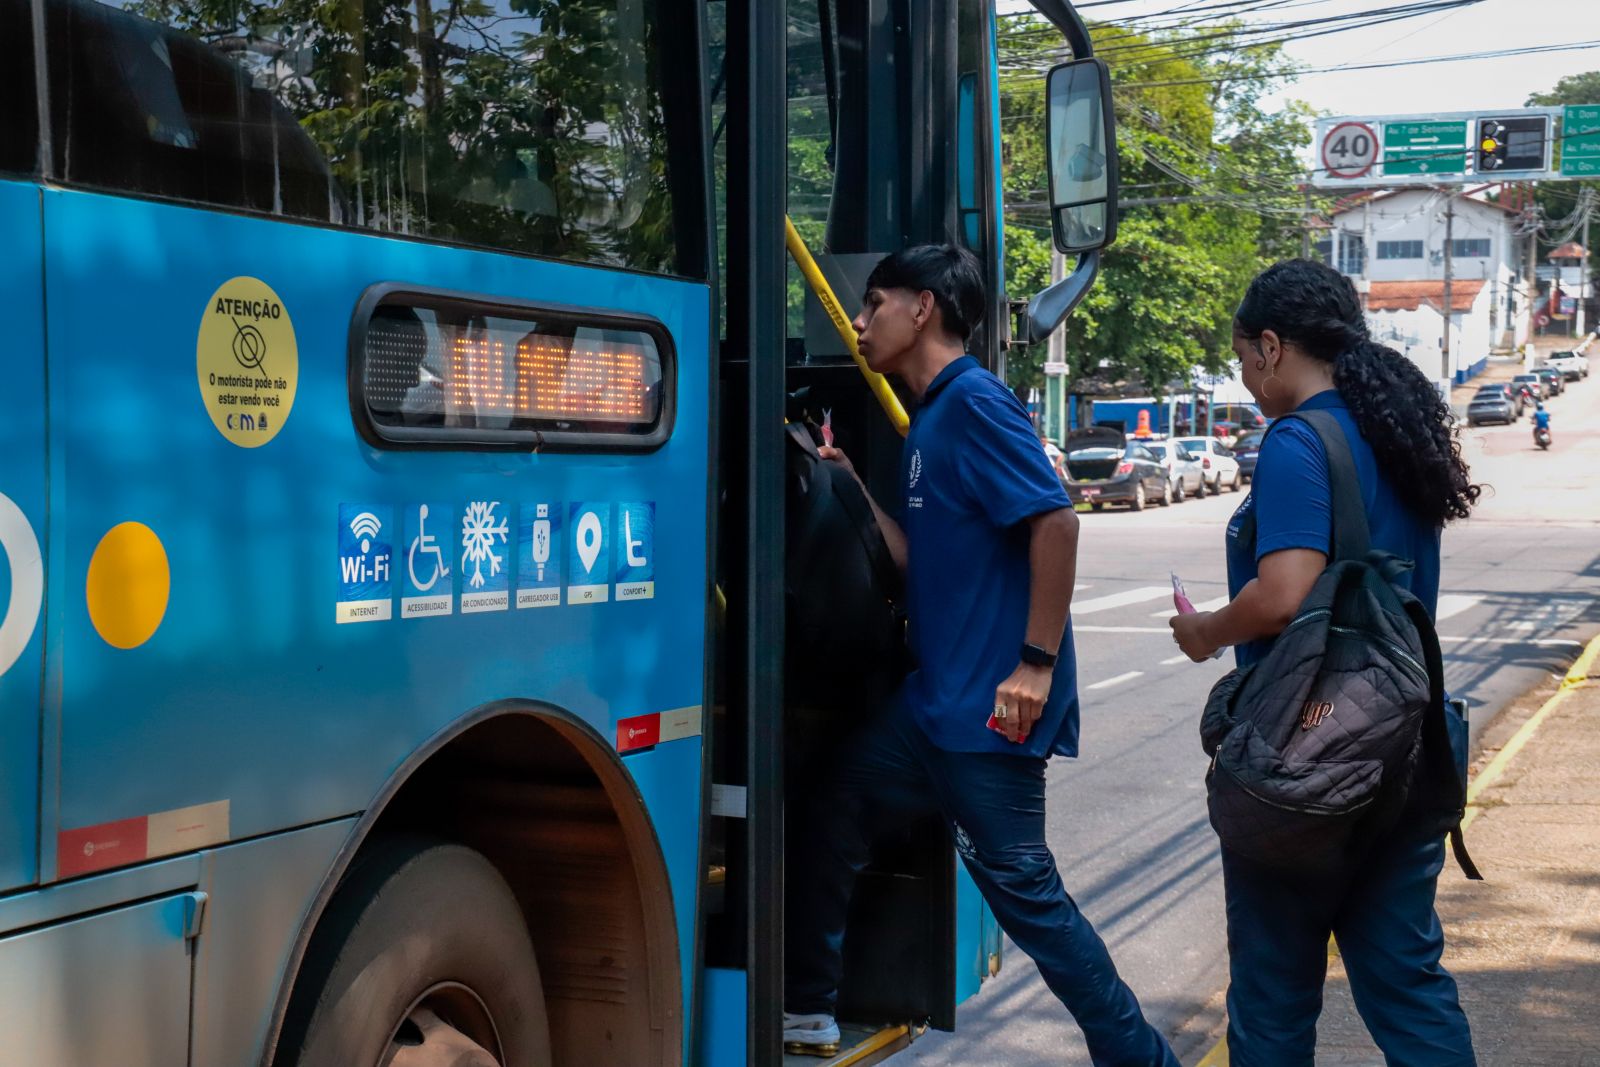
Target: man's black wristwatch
{"points": [[1034, 656]]}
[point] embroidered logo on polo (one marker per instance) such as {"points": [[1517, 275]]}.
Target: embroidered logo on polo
{"points": [[916, 469]]}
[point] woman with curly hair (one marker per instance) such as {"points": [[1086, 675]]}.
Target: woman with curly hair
{"points": [[1303, 343]]}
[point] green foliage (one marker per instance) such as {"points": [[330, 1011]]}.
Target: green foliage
{"points": [[1557, 200], [1163, 305]]}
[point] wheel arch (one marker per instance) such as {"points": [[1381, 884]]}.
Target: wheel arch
{"points": [[547, 798]]}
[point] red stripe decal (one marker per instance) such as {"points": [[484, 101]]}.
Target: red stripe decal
{"points": [[641, 731], [99, 848]]}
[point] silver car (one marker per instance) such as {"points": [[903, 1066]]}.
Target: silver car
{"points": [[1184, 473]]}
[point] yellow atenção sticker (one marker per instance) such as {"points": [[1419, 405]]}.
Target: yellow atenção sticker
{"points": [[247, 361]]}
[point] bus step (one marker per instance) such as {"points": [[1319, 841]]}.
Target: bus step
{"points": [[859, 1045]]}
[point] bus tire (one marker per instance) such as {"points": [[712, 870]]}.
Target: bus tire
{"points": [[423, 942]]}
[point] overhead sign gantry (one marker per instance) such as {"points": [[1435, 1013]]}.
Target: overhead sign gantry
{"points": [[1455, 148]]}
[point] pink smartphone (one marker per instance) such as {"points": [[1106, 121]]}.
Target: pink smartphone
{"points": [[1180, 598]]}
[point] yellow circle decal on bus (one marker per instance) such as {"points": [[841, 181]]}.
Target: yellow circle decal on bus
{"points": [[129, 583], [247, 361]]}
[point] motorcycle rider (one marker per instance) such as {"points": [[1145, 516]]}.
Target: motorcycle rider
{"points": [[1541, 421]]}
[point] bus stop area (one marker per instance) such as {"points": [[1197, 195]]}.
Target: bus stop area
{"points": [[1524, 943]]}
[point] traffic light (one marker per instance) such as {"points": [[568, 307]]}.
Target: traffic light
{"points": [[1491, 145], [1513, 144]]}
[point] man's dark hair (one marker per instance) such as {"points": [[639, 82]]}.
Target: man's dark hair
{"points": [[951, 273]]}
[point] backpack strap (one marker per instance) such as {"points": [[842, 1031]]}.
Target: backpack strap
{"points": [[1350, 537], [1435, 735]]}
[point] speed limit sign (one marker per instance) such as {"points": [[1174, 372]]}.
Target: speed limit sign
{"points": [[1349, 150]]}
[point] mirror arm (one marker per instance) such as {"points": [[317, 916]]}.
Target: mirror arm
{"points": [[1050, 308], [1066, 19]]}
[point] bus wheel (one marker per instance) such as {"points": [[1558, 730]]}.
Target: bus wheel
{"points": [[421, 960]]}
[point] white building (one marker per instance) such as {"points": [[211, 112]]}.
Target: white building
{"points": [[1399, 237]]}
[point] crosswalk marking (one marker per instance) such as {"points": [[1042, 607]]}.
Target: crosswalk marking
{"points": [[1120, 600], [1118, 680], [1453, 604], [1205, 605]]}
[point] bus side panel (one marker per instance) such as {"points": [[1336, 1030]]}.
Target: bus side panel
{"points": [[662, 775], [259, 894], [22, 533], [250, 709]]}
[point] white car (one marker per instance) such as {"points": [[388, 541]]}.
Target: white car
{"points": [[1572, 365], [1184, 473], [1216, 462]]}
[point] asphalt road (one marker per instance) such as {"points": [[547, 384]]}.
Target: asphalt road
{"points": [[1127, 820]]}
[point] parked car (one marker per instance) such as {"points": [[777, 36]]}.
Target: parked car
{"points": [[1247, 449], [1491, 404], [1517, 397], [1530, 384], [1217, 461], [1554, 382], [1104, 467], [1572, 365], [1184, 473]]}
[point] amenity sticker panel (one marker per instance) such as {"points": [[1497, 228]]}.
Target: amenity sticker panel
{"points": [[446, 557]]}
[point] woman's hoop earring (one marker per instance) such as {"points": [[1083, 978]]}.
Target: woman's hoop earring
{"points": [[1266, 394]]}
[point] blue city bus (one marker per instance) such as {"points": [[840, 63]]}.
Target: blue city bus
{"points": [[391, 512]]}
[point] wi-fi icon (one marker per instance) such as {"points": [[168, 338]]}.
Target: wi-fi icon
{"points": [[366, 527]]}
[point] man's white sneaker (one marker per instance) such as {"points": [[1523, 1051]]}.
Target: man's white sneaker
{"points": [[810, 1035]]}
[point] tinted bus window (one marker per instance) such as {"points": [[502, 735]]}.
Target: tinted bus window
{"points": [[525, 125], [19, 113]]}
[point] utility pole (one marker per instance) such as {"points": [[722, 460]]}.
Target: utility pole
{"points": [[1449, 237], [1580, 319], [1055, 381], [1533, 265], [1305, 224]]}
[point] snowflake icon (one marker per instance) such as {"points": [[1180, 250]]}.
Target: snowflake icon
{"points": [[478, 531]]}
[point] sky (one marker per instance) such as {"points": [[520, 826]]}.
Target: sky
{"points": [[1460, 86]]}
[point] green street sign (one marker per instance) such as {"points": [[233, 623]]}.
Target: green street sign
{"points": [[1420, 148], [1580, 141], [1420, 136]]}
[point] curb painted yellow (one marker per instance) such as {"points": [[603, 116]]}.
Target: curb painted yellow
{"points": [[128, 585], [813, 274], [1576, 678]]}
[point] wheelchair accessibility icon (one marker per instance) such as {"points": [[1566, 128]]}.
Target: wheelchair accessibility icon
{"points": [[426, 545]]}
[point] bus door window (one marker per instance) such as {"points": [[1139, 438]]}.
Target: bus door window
{"points": [[19, 118]]}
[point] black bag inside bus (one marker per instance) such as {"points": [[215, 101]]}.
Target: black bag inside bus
{"points": [[1322, 746], [845, 647]]}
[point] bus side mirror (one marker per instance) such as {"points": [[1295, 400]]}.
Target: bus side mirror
{"points": [[1081, 150]]}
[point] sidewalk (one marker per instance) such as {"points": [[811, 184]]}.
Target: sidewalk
{"points": [[1524, 944]]}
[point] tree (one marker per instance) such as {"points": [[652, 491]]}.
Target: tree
{"points": [[1557, 201], [1211, 183]]}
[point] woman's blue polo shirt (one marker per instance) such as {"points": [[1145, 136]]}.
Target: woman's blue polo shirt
{"points": [[1293, 500], [973, 470]]}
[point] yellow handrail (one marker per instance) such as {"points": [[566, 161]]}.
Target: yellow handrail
{"points": [[841, 322]]}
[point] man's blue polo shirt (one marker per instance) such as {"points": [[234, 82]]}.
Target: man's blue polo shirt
{"points": [[1293, 500], [973, 471]]}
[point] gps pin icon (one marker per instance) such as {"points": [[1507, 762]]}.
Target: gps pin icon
{"points": [[589, 537]]}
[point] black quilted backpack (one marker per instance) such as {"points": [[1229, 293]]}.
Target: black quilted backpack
{"points": [[1342, 729]]}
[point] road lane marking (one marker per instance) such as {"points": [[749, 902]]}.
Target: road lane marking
{"points": [[1121, 629], [1453, 604], [1175, 660], [1541, 642], [1118, 680], [1205, 605], [1121, 600]]}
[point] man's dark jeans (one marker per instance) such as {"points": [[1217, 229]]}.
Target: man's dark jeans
{"points": [[994, 805]]}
